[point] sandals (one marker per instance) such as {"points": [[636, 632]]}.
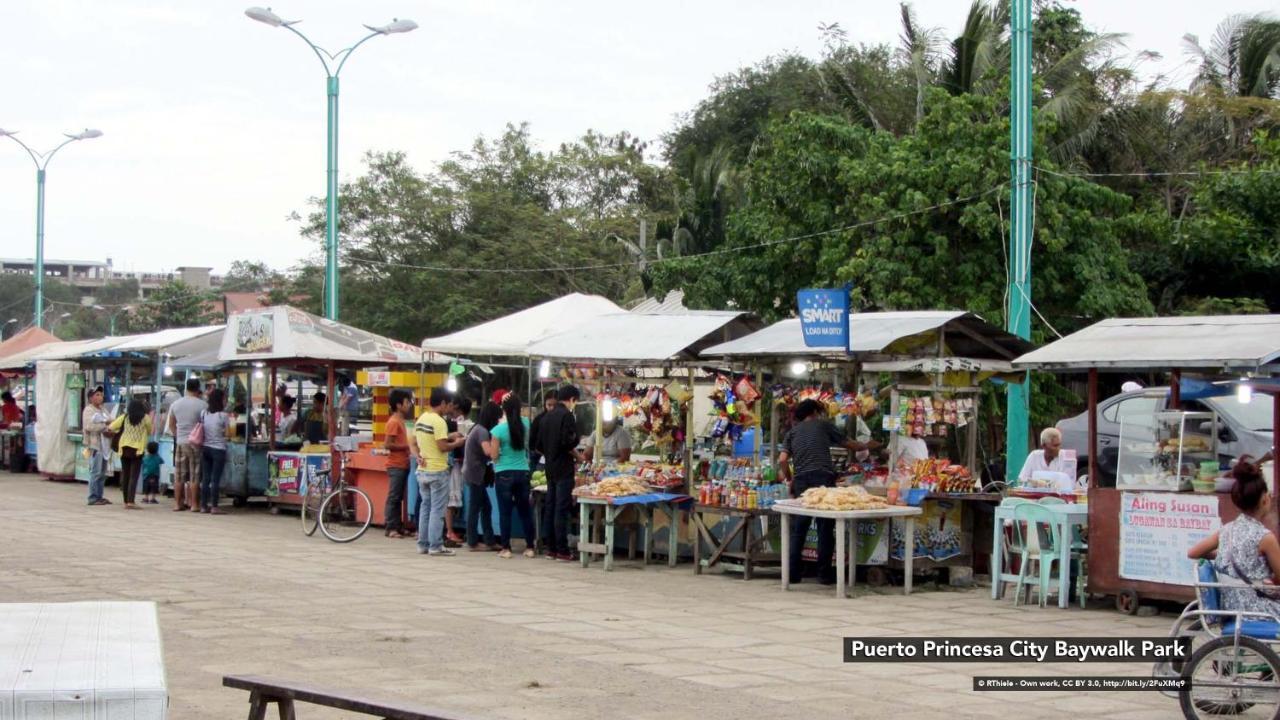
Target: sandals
{"points": [[395, 534], [529, 553]]}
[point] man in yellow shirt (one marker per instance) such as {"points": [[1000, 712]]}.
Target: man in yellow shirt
{"points": [[431, 445]]}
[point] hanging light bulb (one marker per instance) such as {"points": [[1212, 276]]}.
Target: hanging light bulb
{"points": [[607, 410], [451, 384], [1244, 393], [799, 368], [544, 369], [257, 374], [168, 371]]}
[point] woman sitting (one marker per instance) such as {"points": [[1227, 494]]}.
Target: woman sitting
{"points": [[1244, 549]]}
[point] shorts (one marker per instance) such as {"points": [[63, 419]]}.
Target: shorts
{"points": [[151, 485], [455, 486], [186, 467]]}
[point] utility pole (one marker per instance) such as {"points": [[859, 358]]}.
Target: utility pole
{"points": [[1018, 314]]}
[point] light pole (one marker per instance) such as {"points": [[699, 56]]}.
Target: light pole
{"points": [[53, 326], [327, 59], [42, 163], [113, 315], [3, 330]]}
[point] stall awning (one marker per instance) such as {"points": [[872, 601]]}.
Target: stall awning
{"points": [[286, 333], [72, 350], [511, 335], [1241, 343], [29, 339], [886, 336], [643, 337], [163, 340], [199, 353]]}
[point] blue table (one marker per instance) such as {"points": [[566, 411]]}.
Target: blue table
{"points": [[666, 503], [1067, 517]]}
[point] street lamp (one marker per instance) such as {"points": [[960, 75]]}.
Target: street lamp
{"points": [[327, 59], [10, 321], [113, 315], [42, 163]]}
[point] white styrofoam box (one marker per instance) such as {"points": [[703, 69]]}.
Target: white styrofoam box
{"points": [[81, 661]]}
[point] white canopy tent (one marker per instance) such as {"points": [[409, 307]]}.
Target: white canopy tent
{"points": [[286, 333], [643, 339], [512, 335]]}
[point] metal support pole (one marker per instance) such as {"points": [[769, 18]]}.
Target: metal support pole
{"points": [[773, 425], [756, 439], [688, 436], [1093, 427], [1018, 315], [331, 205], [39, 269], [271, 411]]}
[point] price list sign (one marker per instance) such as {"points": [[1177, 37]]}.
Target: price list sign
{"points": [[1157, 530]]}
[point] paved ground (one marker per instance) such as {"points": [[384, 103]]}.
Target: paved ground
{"points": [[487, 638]]}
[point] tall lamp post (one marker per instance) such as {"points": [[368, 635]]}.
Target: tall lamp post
{"points": [[328, 61], [41, 159], [1018, 316], [113, 315]]}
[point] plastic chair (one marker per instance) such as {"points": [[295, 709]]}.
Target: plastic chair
{"points": [[1033, 534], [1051, 500]]}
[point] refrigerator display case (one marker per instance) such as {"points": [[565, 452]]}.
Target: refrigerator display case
{"points": [[1164, 452]]}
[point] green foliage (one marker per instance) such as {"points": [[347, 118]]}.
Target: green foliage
{"points": [[250, 276], [174, 304]]}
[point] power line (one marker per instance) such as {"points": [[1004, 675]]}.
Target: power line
{"points": [[1186, 173], [709, 253]]}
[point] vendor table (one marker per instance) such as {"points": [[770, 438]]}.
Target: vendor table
{"points": [[1066, 517], [847, 542], [646, 505], [745, 521]]}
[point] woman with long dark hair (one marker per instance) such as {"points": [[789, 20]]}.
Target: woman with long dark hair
{"points": [[134, 429], [477, 476], [213, 454], [511, 469], [1244, 548]]}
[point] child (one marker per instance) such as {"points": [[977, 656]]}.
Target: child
{"points": [[151, 463]]}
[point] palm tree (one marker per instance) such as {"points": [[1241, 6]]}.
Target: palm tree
{"points": [[981, 46], [1243, 58], [920, 47]]}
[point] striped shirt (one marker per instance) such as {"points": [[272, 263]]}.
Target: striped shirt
{"points": [[809, 445]]}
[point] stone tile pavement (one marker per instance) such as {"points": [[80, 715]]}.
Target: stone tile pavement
{"points": [[515, 639]]}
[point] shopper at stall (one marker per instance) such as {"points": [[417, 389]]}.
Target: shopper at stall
{"points": [[151, 463], [1244, 549], [213, 454], [183, 417], [397, 445], [558, 441], [617, 443], [511, 469], [808, 447], [287, 423], [457, 419], [93, 421], [549, 403], [134, 429], [348, 405], [431, 446], [477, 472], [316, 425], [10, 413], [1047, 459]]}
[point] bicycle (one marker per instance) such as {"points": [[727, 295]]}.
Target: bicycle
{"points": [[342, 512]]}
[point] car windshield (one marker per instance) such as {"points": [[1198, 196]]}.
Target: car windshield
{"points": [[1256, 415]]}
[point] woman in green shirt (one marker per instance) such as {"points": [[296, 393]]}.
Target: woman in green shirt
{"points": [[512, 474]]}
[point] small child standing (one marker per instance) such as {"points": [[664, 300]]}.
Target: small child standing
{"points": [[151, 463]]}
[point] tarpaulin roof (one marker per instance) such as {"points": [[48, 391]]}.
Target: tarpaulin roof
{"points": [[70, 350], [643, 337], [1221, 342], [163, 340], [885, 336], [200, 353], [32, 337], [286, 333], [511, 335]]}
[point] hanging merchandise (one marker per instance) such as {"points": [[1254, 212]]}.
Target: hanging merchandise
{"points": [[733, 403]]}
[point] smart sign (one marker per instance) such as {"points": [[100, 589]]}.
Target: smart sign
{"points": [[824, 317]]}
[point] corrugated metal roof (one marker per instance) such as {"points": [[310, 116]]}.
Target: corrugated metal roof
{"points": [[1236, 342], [511, 335], [163, 339], [643, 337]]}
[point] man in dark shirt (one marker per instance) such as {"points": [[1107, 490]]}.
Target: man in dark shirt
{"points": [[545, 519], [557, 440], [809, 445]]}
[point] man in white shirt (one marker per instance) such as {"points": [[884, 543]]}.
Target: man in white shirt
{"points": [[1047, 459]]}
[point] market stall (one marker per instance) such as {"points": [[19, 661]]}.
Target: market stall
{"points": [[14, 448], [1140, 529]]}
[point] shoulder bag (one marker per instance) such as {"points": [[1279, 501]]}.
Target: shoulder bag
{"points": [[196, 436]]}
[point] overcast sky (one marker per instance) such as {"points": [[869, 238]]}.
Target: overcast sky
{"points": [[214, 124]]}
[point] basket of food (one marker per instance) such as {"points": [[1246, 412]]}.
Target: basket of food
{"points": [[841, 498]]}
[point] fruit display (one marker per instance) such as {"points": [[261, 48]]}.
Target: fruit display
{"points": [[538, 479], [841, 498], [615, 486], [941, 476]]}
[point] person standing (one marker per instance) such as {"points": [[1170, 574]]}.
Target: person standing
{"points": [[213, 454], [808, 445], [183, 417], [134, 429], [558, 441], [457, 420], [316, 428], [512, 475], [348, 405], [92, 424], [549, 403], [431, 447], [477, 472], [397, 445], [10, 413], [151, 463]]}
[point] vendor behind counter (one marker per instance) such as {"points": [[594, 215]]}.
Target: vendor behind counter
{"points": [[315, 426]]}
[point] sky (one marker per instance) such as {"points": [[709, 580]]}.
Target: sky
{"points": [[214, 125]]}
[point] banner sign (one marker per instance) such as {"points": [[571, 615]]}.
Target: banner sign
{"points": [[824, 317], [1157, 530]]}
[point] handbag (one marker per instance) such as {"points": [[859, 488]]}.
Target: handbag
{"points": [[196, 436]]}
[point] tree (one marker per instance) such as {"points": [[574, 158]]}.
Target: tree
{"points": [[174, 304], [250, 276]]}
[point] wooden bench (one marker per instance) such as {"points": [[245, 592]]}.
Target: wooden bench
{"points": [[264, 691]]}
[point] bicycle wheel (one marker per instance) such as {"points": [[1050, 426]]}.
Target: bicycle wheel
{"points": [[345, 514], [1232, 679], [312, 501]]}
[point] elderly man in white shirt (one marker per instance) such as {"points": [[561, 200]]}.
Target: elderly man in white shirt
{"points": [[1047, 459]]}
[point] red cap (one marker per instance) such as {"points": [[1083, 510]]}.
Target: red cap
{"points": [[499, 395]]}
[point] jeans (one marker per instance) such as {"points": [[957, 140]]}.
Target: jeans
{"points": [[479, 515], [560, 502], [433, 488], [800, 523], [212, 460], [397, 478], [513, 494], [97, 475], [130, 468]]}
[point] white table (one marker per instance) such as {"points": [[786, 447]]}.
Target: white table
{"points": [[1067, 517], [90, 660], [846, 541]]}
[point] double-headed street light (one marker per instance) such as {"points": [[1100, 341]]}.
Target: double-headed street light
{"points": [[42, 163], [113, 315], [328, 59]]}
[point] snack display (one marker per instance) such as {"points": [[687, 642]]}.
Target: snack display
{"points": [[941, 476], [841, 498], [615, 486]]}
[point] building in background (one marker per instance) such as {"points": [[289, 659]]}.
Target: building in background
{"points": [[88, 276]]}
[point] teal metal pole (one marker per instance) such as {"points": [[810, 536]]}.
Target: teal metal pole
{"points": [[331, 208], [1018, 316], [39, 269]]}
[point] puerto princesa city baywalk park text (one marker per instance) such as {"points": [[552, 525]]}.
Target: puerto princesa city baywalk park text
{"points": [[1039, 650]]}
